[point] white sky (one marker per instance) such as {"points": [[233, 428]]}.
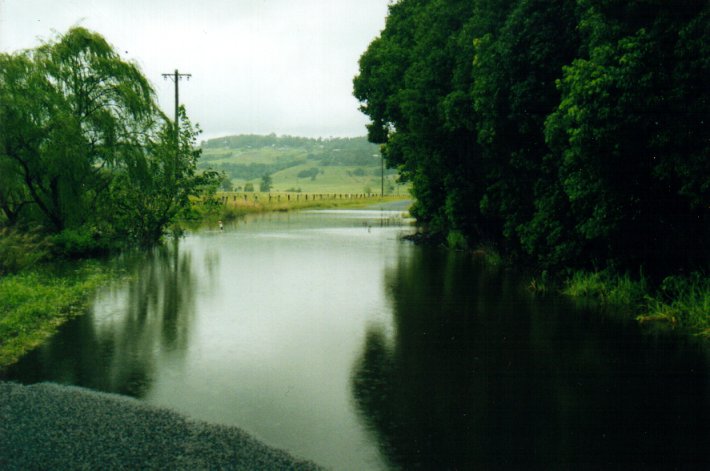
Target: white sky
{"points": [[258, 66]]}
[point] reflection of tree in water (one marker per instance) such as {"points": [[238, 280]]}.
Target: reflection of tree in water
{"points": [[115, 348], [480, 375]]}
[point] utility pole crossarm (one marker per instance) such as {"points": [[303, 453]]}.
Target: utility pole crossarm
{"points": [[176, 77]]}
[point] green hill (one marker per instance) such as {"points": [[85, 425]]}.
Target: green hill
{"points": [[335, 165]]}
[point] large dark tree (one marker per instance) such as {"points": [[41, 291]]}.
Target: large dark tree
{"points": [[568, 133], [630, 134]]}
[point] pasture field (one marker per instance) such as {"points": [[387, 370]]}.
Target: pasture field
{"points": [[335, 179], [340, 165]]}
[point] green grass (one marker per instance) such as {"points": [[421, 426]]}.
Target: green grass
{"points": [[34, 303], [262, 155], [680, 302]]}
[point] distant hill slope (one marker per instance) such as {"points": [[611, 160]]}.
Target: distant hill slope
{"points": [[298, 163]]}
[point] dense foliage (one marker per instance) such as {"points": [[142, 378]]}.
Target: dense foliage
{"points": [[85, 153], [569, 134]]}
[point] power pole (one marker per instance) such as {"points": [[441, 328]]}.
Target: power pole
{"points": [[176, 77]]}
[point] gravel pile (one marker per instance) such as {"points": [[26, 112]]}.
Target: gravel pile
{"points": [[47, 426]]}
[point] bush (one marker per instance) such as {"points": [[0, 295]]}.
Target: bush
{"points": [[80, 242], [456, 240]]}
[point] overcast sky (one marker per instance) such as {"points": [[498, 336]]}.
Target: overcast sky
{"points": [[258, 66]]}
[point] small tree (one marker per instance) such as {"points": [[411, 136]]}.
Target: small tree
{"points": [[248, 187], [266, 183], [149, 193]]}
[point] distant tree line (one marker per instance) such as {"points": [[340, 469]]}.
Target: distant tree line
{"points": [[572, 133], [85, 153], [257, 141]]}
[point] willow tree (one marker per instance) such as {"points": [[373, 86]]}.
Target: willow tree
{"points": [[75, 119], [72, 110]]}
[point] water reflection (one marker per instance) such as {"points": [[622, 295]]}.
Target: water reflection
{"points": [[115, 346], [476, 374]]}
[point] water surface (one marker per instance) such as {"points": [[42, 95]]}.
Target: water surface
{"points": [[323, 334]]}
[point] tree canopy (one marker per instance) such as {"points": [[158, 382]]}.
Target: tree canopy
{"points": [[84, 147], [569, 134]]}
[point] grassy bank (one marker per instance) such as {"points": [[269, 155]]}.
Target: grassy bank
{"points": [[33, 304], [681, 303], [230, 205]]}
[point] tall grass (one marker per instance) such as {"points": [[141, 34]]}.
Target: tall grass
{"points": [[611, 289], [685, 299], [681, 302]]}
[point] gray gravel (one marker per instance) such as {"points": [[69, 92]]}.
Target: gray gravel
{"points": [[48, 426]]}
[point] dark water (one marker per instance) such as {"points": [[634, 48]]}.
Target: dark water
{"points": [[322, 334]]}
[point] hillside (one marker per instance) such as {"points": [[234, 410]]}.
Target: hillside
{"points": [[336, 165]]}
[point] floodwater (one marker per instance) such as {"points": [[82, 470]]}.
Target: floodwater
{"points": [[323, 334]]}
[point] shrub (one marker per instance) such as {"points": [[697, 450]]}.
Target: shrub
{"points": [[456, 240], [81, 242]]}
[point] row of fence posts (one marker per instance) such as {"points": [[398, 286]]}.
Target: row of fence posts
{"points": [[225, 199]]}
